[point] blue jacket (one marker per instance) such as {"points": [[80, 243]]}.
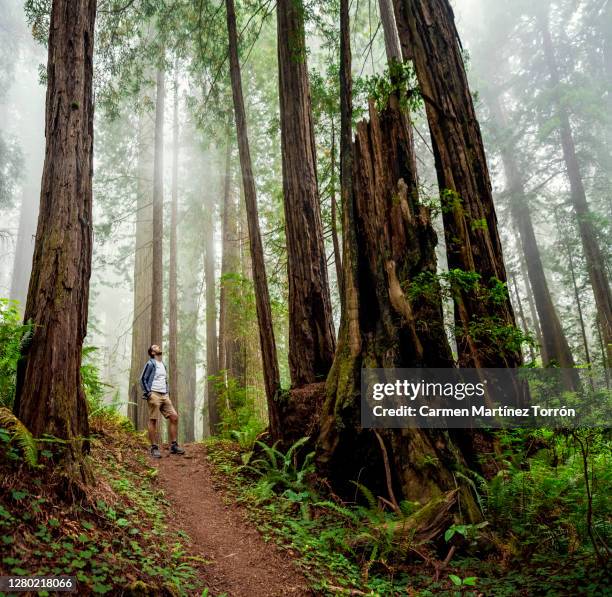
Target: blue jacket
{"points": [[147, 377]]}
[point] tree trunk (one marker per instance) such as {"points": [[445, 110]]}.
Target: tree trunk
{"points": [[311, 331], [232, 354], [334, 212], [555, 348], [521, 312], [143, 274], [157, 290], [173, 374], [262, 297], [24, 247], [212, 354], [49, 395], [592, 252], [532, 309], [470, 223], [388, 240], [392, 43]]}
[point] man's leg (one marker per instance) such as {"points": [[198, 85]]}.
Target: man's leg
{"points": [[152, 429], [173, 427]]}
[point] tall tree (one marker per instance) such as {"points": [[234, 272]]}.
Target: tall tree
{"points": [[470, 223], [212, 349], [50, 397], [555, 348], [172, 273], [232, 354], [595, 261], [143, 270], [262, 296], [157, 289], [388, 241], [311, 332]]}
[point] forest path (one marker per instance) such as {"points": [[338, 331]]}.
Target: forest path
{"points": [[241, 563]]}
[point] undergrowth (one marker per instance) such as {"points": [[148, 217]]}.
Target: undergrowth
{"points": [[114, 539], [533, 541]]}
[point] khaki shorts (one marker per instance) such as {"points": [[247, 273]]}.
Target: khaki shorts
{"points": [[160, 403]]}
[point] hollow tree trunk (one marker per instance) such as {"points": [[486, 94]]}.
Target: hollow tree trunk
{"points": [[212, 354], [595, 261], [470, 223], [157, 289], [555, 348], [173, 374], [49, 394], [311, 332], [143, 273], [260, 282], [388, 240]]}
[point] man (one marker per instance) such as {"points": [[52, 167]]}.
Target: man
{"points": [[154, 381]]}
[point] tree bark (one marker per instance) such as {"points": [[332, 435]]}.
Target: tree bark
{"points": [[470, 223], [173, 374], [157, 290], [311, 332], [592, 252], [262, 297], [49, 396], [392, 42], [388, 240], [143, 273]]}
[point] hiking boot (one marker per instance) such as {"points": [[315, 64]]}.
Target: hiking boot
{"points": [[176, 449], [155, 453]]}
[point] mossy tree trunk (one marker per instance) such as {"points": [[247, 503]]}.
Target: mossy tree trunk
{"points": [[50, 398]]}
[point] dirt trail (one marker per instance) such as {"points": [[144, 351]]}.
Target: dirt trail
{"points": [[241, 563]]}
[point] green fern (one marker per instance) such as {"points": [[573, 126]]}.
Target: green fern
{"points": [[22, 436]]}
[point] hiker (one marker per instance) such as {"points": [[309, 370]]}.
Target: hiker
{"points": [[154, 381]]}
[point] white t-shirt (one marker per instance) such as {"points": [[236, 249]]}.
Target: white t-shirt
{"points": [[159, 381]]}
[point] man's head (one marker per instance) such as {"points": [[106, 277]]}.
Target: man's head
{"points": [[155, 351]]}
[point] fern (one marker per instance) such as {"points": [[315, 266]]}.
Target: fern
{"points": [[22, 436]]}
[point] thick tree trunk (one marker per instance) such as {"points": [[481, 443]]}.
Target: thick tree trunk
{"points": [[388, 240], [50, 397], [212, 348], [595, 261], [157, 290], [173, 374], [262, 297], [470, 223], [555, 348], [143, 273], [311, 332]]}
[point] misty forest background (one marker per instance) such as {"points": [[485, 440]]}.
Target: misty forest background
{"points": [[286, 192]]}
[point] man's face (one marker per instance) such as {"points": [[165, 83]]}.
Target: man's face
{"points": [[156, 350]]}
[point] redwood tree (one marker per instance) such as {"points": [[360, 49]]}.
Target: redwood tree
{"points": [[484, 320], [388, 241], [50, 398], [157, 289], [311, 332], [262, 297]]}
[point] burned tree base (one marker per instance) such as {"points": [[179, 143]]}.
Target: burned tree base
{"points": [[385, 325]]}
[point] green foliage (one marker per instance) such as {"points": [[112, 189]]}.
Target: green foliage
{"points": [[12, 331], [13, 430]]}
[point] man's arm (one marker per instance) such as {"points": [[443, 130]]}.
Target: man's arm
{"points": [[145, 380]]}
